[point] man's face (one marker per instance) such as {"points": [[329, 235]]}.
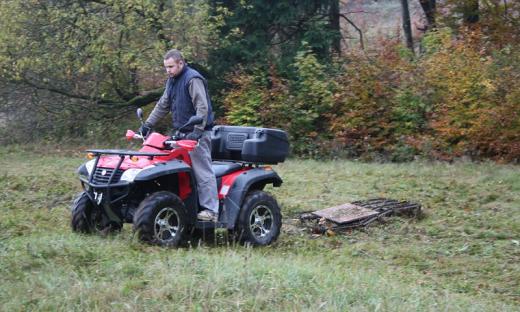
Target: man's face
{"points": [[173, 67]]}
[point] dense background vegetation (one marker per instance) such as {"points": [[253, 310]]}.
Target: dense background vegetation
{"points": [[443, 85]]}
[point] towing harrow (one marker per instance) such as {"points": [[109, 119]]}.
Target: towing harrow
{"points": [[357, 214]]}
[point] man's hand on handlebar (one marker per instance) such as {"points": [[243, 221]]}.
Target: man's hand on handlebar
{"points": [[145, 129], [195, 135]]}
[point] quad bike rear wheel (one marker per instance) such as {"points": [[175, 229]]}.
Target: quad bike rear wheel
{"points": [[161, 220], [260, 219], [87, 219]]}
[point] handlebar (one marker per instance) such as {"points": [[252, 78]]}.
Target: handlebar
{"points": [[176, 141], [132, 135], [170, 143]]}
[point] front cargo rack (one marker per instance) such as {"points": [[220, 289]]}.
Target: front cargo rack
{"points": [[113, 175], [98, 152]]}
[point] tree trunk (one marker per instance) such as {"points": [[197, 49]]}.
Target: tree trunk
{"points": [[335, 25], [470, 11], [407, 26], [429, 7]]}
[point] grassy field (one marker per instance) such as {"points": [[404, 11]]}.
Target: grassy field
{"points": [[464, 255]]}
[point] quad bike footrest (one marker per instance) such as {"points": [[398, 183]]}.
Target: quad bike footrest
{"points": [[210, 224]]}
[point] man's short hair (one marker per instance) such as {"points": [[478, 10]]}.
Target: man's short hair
{"points": [[174, 54]]}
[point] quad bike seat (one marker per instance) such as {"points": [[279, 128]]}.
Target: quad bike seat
{"points": [[222, 168]]}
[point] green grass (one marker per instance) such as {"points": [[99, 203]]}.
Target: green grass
{"points": [[462, 256]]}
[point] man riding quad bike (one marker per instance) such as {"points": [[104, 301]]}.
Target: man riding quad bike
{"points": [[155, 189]]}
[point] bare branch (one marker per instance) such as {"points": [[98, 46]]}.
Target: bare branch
{"points": [[354, 12], [136, 101], [35, 85], [348, 20]]}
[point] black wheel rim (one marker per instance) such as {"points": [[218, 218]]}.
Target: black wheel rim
{"points": [[261, 221], [166, 225]]}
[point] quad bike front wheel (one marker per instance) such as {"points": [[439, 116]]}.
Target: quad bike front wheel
{"points": [[87, 219], [260, 219], [161, 220]]}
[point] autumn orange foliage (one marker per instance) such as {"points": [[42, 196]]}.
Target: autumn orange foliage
{"points": [[460, 97]]}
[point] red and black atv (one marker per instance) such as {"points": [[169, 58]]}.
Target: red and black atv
{"points": [[154, 188]]}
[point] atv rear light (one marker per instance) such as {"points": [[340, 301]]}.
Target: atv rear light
{"points": [[90, 156], [134, 158]]}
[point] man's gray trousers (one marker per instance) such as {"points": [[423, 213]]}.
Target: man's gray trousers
{"points": [[204, 174]]}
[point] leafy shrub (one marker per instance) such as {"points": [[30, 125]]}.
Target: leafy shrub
{"points": [[245, 100], [258, 98], [475, 98], [377, 104], [312, 102], [456, 99], [262, 98]]}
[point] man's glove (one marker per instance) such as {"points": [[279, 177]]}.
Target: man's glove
{"points": [[195, 135], [145, 129]]}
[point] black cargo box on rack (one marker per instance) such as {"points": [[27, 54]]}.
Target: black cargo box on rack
{"points": [[249, 144]]}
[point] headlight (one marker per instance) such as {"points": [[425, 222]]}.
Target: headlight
{"points": [[130, 174], [90, 165]]}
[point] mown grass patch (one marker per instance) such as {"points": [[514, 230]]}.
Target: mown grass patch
{"points": [[463, 255]]}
